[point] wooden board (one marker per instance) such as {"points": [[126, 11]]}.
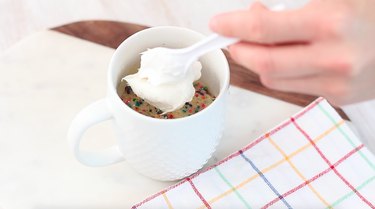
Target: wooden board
{"points": [[111, 34]]}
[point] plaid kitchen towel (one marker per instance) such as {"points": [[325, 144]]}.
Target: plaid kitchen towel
{"points": [[313, 160]]}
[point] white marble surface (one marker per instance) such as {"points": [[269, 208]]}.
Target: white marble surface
{"points": [[44, 81], [362, 116]]}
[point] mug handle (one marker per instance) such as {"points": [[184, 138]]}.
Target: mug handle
{"points": [[94, 113]]}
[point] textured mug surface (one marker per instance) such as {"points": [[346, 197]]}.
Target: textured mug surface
{"points": [[162, 149]]}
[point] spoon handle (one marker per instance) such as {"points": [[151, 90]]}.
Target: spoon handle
{"points": [[212, 42]]}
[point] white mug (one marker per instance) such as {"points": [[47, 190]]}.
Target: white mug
{"points": [[162, 149]]}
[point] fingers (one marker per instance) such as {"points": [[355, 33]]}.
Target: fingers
{"points": [[308, 69], [264, 26], [295, 60], [337, 90], [274, 61]]}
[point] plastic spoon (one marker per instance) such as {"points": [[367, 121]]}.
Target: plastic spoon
{"points": [[186, 56]]}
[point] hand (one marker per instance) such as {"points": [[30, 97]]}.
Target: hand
{"points": [[326, 48]]}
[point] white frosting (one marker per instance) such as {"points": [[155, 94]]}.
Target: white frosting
{"points": [[161, 82]]}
